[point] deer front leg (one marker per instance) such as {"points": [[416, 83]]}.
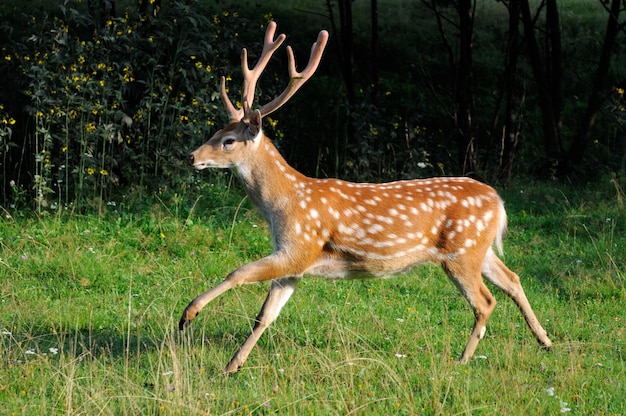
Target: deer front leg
{"points": [[268, 268], [280, 292]]}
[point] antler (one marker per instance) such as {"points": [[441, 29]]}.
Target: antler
{"points": [[251, 76]]}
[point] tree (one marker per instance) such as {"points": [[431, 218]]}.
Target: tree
{"points": [[548, 75], [463, 78], [547, 85], [510, 130], [599, 86]]}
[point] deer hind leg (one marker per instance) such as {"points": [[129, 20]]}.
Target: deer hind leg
{"points": [[497, 273], [471, 285], [280, 292]]}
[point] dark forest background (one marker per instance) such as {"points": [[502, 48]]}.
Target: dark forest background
{"points": [[100, 100]]}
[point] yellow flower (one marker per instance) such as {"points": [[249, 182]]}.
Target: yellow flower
{"points": [[103, 172], [90, 171], [91, 127], [199, 65]]}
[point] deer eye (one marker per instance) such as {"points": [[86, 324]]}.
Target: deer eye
{"points": [[228, 143]]}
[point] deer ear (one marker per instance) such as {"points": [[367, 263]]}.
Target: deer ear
{"points": [[254, 128]]}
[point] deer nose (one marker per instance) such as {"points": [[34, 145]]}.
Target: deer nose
{"points": [[190, 159]]}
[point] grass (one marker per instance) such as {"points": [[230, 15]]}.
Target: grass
{"points": [[90, 306]]}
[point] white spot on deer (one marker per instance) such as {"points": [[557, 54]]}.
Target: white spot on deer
{"points": [[488, 216], [414, 211], [480, 226], [370, 202], [449, 223], [324, 200], [360, 233], [298, 228], [393, 212], [470, 242], [314, 214], [384, 219], [291, 177], [361, 208], [345, 230], [325, 233], [376, 228], [459, 228], [401, 240], [451, 235], [332, 211], [433, 230], [303, 204]]}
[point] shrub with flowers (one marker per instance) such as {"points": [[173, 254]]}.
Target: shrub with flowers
{"points": [[118, 103]]}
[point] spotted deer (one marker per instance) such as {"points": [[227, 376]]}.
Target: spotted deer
{"points": [[341, 230]]}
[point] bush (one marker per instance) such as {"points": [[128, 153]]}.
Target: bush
{"points": [[112, 103]]}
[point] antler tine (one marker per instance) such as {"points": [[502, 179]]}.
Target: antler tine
{"points": [[233, 113], [251, 76], [297, 79]]}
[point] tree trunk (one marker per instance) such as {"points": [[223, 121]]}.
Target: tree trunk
{"points": [[464, 100], [551, 132], [599, 88], [374, 46], [510, 133]]}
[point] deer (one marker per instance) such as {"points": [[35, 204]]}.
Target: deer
{"points": [[336, 229]]}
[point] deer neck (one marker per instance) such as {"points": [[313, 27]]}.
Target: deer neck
{"points": [[269, 181]]}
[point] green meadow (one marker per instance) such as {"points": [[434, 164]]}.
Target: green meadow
{"points": [[90, 305]]}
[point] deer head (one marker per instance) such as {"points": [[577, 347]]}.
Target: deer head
{"points": [[229, 147]]}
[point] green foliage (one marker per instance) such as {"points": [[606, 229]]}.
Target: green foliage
{"points": [[117, 105], [90, 306]]}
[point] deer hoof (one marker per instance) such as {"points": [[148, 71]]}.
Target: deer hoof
{"points": [[183, 323], [231, 368]]}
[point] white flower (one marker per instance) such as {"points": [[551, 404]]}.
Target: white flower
{"points": [[53, 350], [400, 355], [550, 391], [30, 351]]}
